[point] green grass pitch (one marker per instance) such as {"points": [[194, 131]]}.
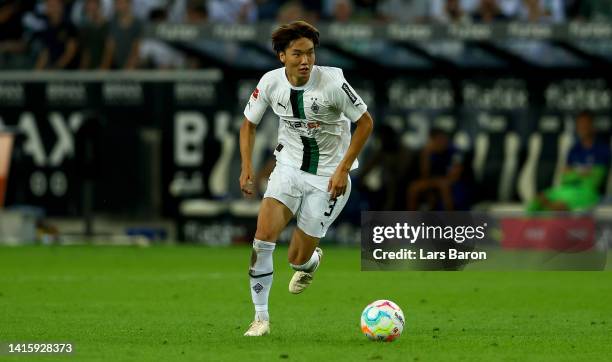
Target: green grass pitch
{"points": [[193, 303]]}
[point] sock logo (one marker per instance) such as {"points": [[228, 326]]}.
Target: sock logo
{"points": [[258, 288]]}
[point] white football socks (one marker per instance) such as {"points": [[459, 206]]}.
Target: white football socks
{"points": [[261, 273], [310, 265]]}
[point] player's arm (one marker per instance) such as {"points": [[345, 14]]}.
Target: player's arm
{"points": [[247, 139], [339, 180], [254, 110]]}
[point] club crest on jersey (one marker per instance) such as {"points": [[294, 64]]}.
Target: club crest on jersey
{"points": [[314, 107], [255, 93]]}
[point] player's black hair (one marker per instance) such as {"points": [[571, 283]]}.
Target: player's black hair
{"points": [[285, 34]]}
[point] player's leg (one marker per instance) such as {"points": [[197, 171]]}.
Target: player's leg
{"points": [[304, 257], [272, 219], [314, 217], [302, 251], [277, 208]]}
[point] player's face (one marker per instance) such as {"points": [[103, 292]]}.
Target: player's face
{"points": [[299, 58]]}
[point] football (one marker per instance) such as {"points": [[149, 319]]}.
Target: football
{"points": [[382, 320]]}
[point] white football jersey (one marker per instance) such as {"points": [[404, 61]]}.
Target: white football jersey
{"points": [[314, 130]]}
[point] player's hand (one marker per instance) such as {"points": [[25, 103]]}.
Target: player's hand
{"points": [[247, 185], [337, 183]]}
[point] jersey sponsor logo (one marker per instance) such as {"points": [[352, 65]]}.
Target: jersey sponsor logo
{"points": [[313, 124], [255, 93], [304, 128], [349, 93]]}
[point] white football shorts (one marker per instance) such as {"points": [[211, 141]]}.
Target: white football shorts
{"points": [[307, 197]]}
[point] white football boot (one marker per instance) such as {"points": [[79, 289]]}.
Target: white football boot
{"points": [[301, 280], [258, 328]]}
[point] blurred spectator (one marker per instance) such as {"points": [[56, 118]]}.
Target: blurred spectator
{"points": [[196, 13], [68, 6], [13, 45], [268, 9], [488, 12], [542, 11], [342, 11], [453, 11], [365, 9], [291, 11], [509, 7], [93, 35], [572, 9], [187, 11], [394, 161], [596, 10], [141, 9], [232, 11], [584, 175], [177, 10], [403, 11], [313, 9], [78, 14], [123, 43], [155, 53], [440, 184], [59, 45]]}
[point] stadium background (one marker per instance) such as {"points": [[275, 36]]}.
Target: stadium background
{"points": [[507, 88]]}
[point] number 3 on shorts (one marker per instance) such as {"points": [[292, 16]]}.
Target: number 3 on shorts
{"points": [[332, 204]]}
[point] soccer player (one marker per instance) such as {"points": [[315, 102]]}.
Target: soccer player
{"points": [[315, 153]]}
